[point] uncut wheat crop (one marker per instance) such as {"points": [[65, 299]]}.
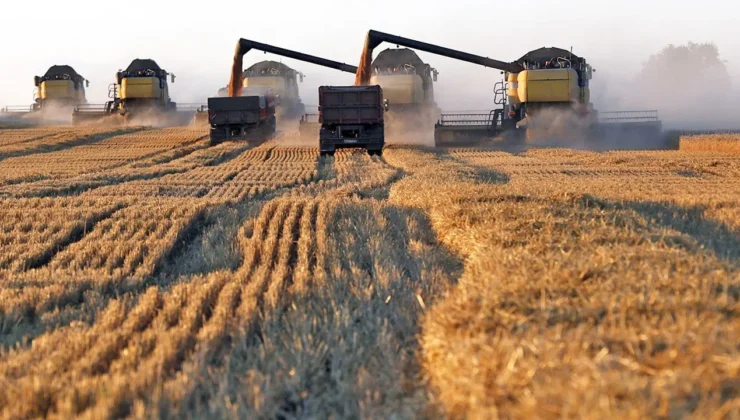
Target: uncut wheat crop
{"points": [[148, 273]]}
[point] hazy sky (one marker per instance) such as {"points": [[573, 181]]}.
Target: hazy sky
{"points": [[196, 41]]}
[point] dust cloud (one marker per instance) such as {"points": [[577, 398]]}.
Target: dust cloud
{"points": [[563, 128], [413, 127], [689, 85], [50, 115]]}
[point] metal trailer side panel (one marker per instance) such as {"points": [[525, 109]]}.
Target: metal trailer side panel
{"points": [[240, 103], [220, 117]]}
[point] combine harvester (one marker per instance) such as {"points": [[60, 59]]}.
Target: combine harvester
{"points": [[544, 95], [269, 77], [408, 88], [56, 94], [141, 96]]}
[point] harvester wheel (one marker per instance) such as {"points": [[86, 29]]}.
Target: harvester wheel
{"points": [[327, 154]]}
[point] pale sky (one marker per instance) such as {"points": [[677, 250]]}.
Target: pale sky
{"points": [[195, 40]]}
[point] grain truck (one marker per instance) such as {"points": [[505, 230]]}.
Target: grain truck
{"points": [[250, 118], [351, 116]]}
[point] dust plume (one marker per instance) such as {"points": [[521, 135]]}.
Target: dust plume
{"points": [[159, 119], [236, 82], [50, 115], [562, 128], [365, 69]]}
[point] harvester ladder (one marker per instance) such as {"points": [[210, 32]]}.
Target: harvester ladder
{"points": [[499, 90], [113, 91]]}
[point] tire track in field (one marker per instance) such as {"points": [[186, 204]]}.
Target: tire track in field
{"points": [[79, 184], [75, 235], [24, 307], [82, 141], [207, 337], [121, 353], [272, 260]]}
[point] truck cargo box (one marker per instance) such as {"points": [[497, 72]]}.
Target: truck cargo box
{"points": [[350, 105]]}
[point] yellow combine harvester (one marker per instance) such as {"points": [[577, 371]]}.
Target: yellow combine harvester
{"points": [[268, 77], [60, 89], [140, 94], [408, 86]]}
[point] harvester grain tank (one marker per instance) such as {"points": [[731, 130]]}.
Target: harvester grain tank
{"points": [[61, 87], [351, 117], [542, 82], [141, 90], [250, 117]]}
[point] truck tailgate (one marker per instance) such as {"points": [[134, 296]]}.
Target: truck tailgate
{"points": [[351, 104]]}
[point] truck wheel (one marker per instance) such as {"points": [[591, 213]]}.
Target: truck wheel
{"points": [[375, 152], [217, 135]]}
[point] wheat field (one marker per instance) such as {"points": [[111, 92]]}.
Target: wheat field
{"points": [[147, 274]]}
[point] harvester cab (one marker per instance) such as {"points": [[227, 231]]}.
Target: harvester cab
{"points": [[60, 87], [543, 85]]}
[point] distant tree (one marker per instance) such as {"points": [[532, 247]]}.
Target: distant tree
{"points": [[693, 71]]}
